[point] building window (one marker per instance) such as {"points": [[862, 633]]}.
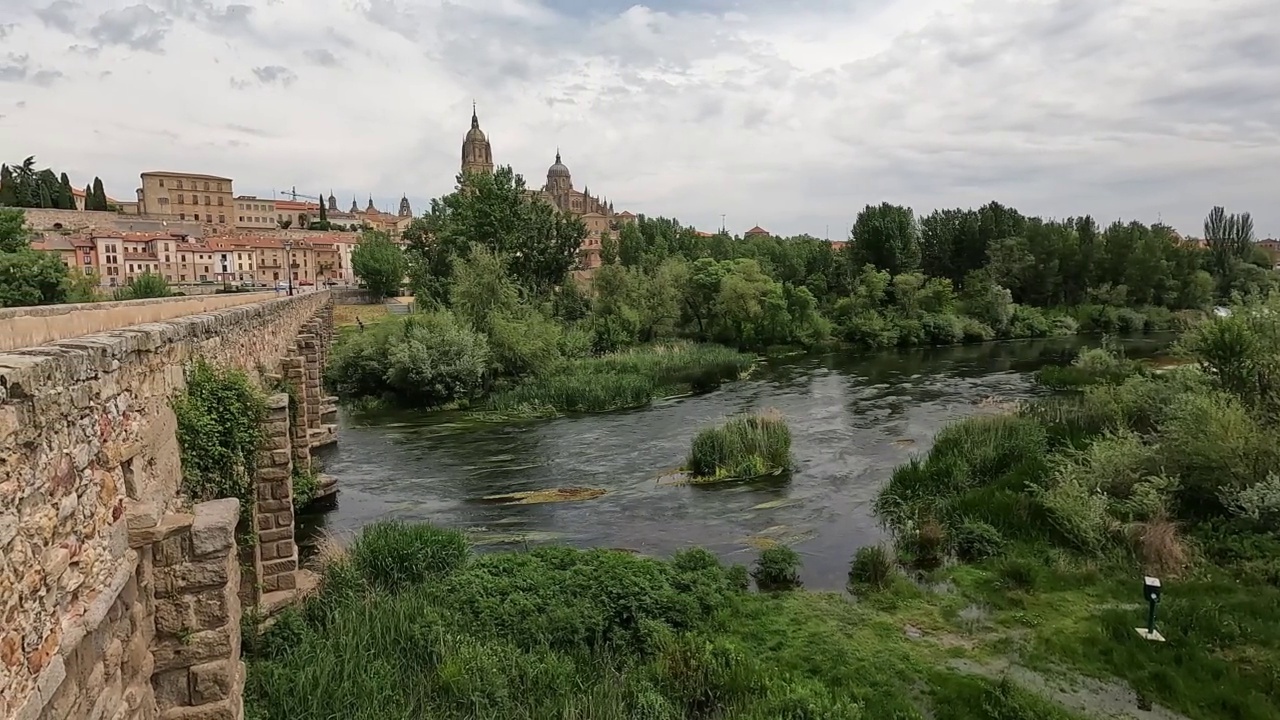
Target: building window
{"points": [[178, 184], [219, 201], [206, 200], [222, 218], [241, 218], [164, 201], [88, 271], [194, 199], [182, 216], [168, 277], [161, 182], [182, 278], [206, 187], [208, 218], [219, 187]]}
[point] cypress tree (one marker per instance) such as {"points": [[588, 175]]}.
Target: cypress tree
{"points": [[88, 197], [324, 215], [66, 198], [46, 201], [99, 195], [8, 188]]}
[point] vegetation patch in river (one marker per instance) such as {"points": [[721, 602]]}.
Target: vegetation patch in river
{"points": [[533, 497], [620, 380], [745, 447]]}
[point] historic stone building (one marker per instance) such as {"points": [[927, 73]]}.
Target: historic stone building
{"points": [[596, 213]]}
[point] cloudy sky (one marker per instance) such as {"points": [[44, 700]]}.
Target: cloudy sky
{"points": [[791, 114]]}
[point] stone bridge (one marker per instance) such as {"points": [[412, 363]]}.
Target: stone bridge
{"points": [[119, 599]]}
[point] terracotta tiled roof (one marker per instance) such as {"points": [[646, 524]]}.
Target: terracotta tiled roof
{"points": [[757, 230], [626, 214], [52, 242]]}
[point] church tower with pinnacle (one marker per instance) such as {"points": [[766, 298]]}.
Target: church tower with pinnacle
{"points": [[477, 155]]}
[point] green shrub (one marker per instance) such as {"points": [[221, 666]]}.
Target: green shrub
{"points": [[423, 360], [146, 285], [746, 446], [872, 568], [975, 331], [942, 328], [777, 569], [524, 344], [1028, 322], [390, 554], [974, 540], [1019, 573], [220, 418]]}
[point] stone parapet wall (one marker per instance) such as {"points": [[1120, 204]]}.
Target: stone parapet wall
{"points": [[88, 450], [24, 327]]}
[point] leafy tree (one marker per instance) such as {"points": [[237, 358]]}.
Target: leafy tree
{"points": [[887, 237], [495, 211], [27, 277], [379, 263]]}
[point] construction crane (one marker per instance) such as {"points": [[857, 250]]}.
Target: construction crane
{"points": [[293, 195]]}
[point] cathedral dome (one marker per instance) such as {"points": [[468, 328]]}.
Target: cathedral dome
{"points": [[558, 170], [475, 135]]}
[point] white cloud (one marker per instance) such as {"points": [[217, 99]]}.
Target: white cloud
{"points": [[786, 114]]}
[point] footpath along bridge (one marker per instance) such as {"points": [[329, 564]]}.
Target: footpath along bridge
{"points": [[117, 601]]}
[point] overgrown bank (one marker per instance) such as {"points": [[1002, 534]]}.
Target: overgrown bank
{"points": [[1013, 562]]}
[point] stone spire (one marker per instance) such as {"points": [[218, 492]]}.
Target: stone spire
{"points": [[354, 207], [370, 208], [477, 153], [333, 202], [405, 209]]}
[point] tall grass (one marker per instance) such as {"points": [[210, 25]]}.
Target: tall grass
{"points": [[745, 446], [622, 380]]}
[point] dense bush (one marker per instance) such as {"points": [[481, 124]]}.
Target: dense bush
{"points": [[1124, 463], [745, 446], [427, 360], [390, 555], [777, 569]]}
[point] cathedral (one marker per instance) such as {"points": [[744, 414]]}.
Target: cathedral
{"points": [[596, 214]]}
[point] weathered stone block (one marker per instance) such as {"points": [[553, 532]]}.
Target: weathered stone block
{"points": [[274, 506], [193, 649], [214, 529], [184, 578], [224, 710], [172, 688], [214, 681], [286, 563], [272, 473], [269, 536], [276, 583]]}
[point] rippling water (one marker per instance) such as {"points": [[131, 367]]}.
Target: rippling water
{"points": [[853, 419]]}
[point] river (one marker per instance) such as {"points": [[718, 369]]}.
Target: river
{"points": [[853, 418]]}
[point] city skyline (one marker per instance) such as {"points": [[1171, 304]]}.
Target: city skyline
{"points": [[770, 116]]}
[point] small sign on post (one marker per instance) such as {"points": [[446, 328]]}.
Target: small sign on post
{"points": [[1151, 591]]}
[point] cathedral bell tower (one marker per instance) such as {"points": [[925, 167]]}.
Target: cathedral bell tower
{"points": [[477, 155]]}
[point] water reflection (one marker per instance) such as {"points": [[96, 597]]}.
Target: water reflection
{"points": [[854, 417]]}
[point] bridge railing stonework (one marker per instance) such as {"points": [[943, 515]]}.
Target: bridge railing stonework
{"points": [[118, 599]]}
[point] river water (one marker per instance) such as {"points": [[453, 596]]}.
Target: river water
{"points": [[853, 418]]}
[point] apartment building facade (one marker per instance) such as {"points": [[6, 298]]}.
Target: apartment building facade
{"points": [[187, 196], [255, 213]]}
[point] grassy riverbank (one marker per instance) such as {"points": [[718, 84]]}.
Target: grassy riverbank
{"points": [[1011, 589]]}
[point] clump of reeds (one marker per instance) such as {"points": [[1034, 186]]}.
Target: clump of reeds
{"points": [[746, 446], [620, 381]]}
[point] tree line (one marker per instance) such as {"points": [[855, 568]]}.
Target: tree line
{"points": [[954, 275], [25, 187]]}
